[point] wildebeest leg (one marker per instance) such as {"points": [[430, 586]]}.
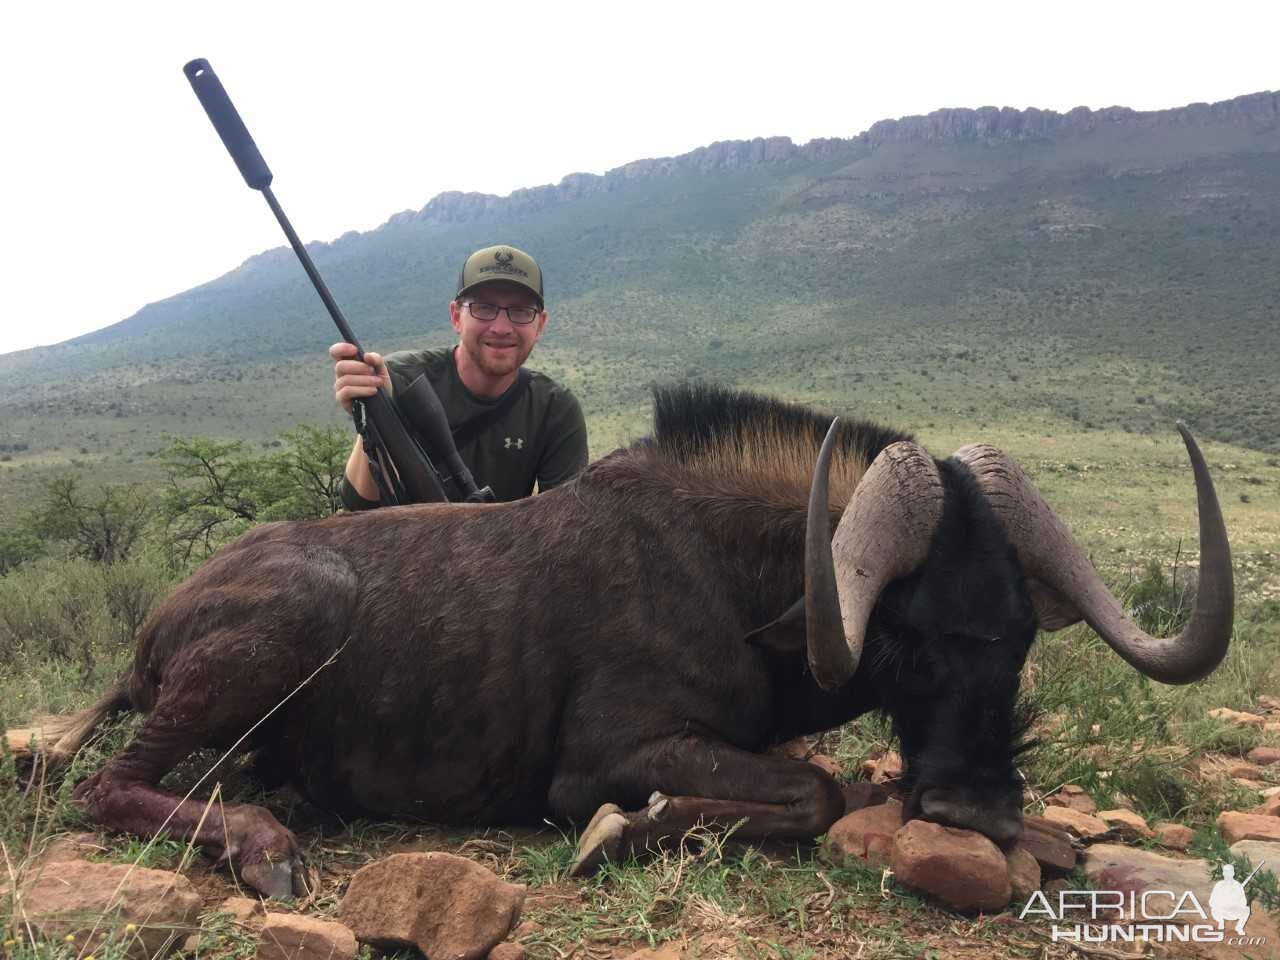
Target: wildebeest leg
{"points": [[210, 700], [696, 780]]}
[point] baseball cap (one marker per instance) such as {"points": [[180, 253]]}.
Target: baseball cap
{"points": [[500, 263]]}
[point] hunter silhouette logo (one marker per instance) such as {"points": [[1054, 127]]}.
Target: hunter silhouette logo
{"points": [[1228, 900], [503, 264], [517, 442]]}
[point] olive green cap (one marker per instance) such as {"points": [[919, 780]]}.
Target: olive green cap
{"points": [[500, 263]]}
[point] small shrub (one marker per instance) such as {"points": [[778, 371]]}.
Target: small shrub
{"points": [[1161, 604], [1158, 788]]}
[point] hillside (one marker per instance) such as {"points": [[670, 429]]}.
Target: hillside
{"points": [[1096, 270]]}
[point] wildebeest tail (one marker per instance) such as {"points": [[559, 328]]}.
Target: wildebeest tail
{"points": [[57, 739]]}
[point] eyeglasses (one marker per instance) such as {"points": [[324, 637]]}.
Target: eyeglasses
{"points": [[487, 312]]}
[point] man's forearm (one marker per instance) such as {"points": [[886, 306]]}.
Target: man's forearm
{"points": [[358, 474]]}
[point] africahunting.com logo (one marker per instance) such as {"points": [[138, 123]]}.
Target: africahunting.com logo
{"points": [[1162, 916]]}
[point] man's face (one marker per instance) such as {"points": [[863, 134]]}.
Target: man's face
{"points": [[497, 347]]}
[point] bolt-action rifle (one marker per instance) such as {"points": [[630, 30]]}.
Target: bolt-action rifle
{"points": [[402, 468]]}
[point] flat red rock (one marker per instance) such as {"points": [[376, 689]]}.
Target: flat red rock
{"points": [[962, 868]]}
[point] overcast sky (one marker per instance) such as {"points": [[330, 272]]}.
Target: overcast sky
{"points": [[117, 192]]}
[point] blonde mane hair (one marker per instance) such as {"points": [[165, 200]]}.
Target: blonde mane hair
{"points": [[731, 449]]}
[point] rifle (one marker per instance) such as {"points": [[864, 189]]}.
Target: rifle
{"points": [[403, 470]]}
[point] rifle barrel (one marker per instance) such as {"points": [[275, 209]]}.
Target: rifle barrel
{"points": [[316, 280]]}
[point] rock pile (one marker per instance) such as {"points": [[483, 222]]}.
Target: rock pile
{"points": [[968, 872], [962, 868], [448, 907]]}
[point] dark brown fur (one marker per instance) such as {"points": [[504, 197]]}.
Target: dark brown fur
{"points": [[503, 663]]}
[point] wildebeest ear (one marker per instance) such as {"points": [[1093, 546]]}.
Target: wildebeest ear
{"points": [[784, 635], [1053, 610]]}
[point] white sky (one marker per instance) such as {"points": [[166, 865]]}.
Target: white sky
{"points": [[115, 191]]}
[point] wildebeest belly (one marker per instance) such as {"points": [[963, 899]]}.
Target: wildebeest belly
{"points": [[450, 747]]}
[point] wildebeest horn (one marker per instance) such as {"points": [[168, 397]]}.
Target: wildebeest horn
{"points": [[1051, 556], [884, 534]]}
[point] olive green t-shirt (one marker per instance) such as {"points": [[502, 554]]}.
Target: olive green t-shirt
{"points": [[541, 437]]}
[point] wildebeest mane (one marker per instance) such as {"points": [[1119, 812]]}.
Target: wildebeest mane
{"points": [[713, 441]]}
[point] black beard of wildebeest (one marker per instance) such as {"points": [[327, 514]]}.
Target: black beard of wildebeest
{"points": [[626, 644]]}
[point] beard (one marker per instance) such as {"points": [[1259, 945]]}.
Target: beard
{"points": [[498, 362]]}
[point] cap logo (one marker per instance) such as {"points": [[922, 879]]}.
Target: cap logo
{"points": [[502, 264]]}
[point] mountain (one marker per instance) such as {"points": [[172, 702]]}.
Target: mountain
{"points": [[1100, 268]]}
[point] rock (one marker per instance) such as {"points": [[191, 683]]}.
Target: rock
{"points": [[507, 951], [1114, 867], [1264, 756], [1073, 797], [1259, 851], [863, 793], [865, 835], [526, 928], [829, 765], [1049, 843], [78, 846], [72, 897], [246, 912], [1128, 824], [1024, 873], [1272, 726], [1248, 826], [288, 936], [446, 906], [1078, 824], [668, 951], [1245, 771], [887, 767], [1269, 704], [1174, 836], [1238, 719], [1268, 808], [1255, 785], [961, 868]]}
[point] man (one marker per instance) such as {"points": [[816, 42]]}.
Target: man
{"points": [[512, 427]]}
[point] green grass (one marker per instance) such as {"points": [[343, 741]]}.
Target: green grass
{"points": [[157, 853], [223, 938]]}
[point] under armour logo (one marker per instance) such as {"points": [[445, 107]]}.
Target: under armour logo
{"points": [[509, 442]]}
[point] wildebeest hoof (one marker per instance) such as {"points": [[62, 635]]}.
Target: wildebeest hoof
{"points": [[276, 879], [600, 841], [659, 806]]}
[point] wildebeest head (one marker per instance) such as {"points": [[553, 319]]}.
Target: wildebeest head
{"points": [[943, 571]]}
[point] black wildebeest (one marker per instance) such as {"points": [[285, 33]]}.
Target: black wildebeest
{"points": [[635, 637]]}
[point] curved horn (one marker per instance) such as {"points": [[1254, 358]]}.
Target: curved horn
{"points": [[884, 534], [1049, 554]]}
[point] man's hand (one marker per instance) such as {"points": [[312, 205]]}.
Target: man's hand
{"points": [[353, 379]]}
